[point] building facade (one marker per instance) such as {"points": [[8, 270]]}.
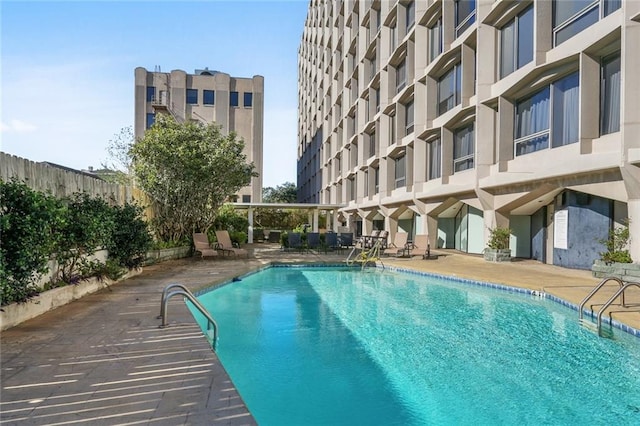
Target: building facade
{"points": [[452, 117], [235, 104]]}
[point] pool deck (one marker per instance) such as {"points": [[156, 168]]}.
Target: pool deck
{"points": [[104, 360]]}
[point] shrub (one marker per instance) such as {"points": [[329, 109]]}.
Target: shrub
{"points": [[130, 239], [27, 218], [499, 238], [86, 226], [616, 245]]}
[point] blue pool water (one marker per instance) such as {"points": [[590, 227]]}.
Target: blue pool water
{"points": [[337, 346]]}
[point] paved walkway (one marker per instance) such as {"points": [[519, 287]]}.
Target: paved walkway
{"points": [[103, 360]]}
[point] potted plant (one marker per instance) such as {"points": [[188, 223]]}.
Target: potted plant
{"points": [[498, 245]]}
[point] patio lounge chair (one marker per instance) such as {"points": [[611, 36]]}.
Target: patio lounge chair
{"points": [[225, 244], [421, 244], [201, 244], [345, 239], [399, 246]]}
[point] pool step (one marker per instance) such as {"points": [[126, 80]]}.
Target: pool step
{"points": [[604, 332]]}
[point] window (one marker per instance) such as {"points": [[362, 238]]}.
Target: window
{"points": [[246, 198], [233, 99], [435, 40], [394, 37], [376, 179], [410, 12], [400, 171], [516, 43], [365, 176], [392, 129], [408, 117], [378, 19], [573, 16], [465, 15], [352, 188], [208, 97], [248, 99], [378, 100], [151, 118], [401, 75], [449, 88], [463, 148], [372, 144], [192, 96], [151, 93], [435, 159], [610, 95], [554, 106]]}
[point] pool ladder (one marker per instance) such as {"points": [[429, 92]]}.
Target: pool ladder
{"points": [[623, 285], [169, 292], [366, 255]]}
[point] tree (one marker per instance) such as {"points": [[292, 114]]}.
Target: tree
{"points": [[285, 193], [188, 169], [118, 170]]}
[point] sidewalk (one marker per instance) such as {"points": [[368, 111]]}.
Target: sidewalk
{"points": [[103, 360]]}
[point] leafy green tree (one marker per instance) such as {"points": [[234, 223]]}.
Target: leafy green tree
{"points": [[285, 193], [188, 169], [27, 218], [118, 168], [130, 239]]}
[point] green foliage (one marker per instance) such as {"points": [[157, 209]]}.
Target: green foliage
{"points": [[281, 218], [284, 239], [189, 170], [118, 169], [130, 239], [285, 193], [617, 245], [499, 238], [238, 237], [86, 226], [230, 219], [27, 218]]}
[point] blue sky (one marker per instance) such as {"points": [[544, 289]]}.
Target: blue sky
{"points": [[67, 69]]}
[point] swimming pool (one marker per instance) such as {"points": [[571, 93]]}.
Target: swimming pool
{"points": [[311, 345]]}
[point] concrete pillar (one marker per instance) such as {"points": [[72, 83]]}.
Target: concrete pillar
{"points": [[250, 230], [315, 220]]}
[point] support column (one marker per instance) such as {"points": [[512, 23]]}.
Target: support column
{"points": [[250, 230], [315, 220]]}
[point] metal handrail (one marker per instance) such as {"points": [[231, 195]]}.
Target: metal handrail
{"points": [[212, 326], [611, 299], [595, 290]]}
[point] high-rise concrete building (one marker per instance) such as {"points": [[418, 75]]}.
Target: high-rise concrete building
{"points": [[452, 117], [235, 104]]}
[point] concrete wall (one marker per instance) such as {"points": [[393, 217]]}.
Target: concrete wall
{"points": [[589, 221]]}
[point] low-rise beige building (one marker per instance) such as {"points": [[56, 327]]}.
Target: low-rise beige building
{"points": [[452, 117], [235, 104]]}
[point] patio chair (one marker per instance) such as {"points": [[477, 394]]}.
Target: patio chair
{"points": [[225, 244], [331, 241], [345, 239], [369, 241], [201, 244], [313, 240], [421, 244], [295, 241], [399, 246]]}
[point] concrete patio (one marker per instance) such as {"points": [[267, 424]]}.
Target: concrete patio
{"points": [[103, 360]]}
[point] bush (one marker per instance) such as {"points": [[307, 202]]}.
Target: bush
{"points": [[130, 239], [499, 238], [27, 218], [86, 226], [616, 245]]}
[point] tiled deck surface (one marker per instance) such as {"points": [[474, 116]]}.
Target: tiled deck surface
{"points": [[103, 360]]}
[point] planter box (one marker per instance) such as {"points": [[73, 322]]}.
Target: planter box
{"points": [[17, 313], [156, 256], [497, 255], [624, 271]]}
